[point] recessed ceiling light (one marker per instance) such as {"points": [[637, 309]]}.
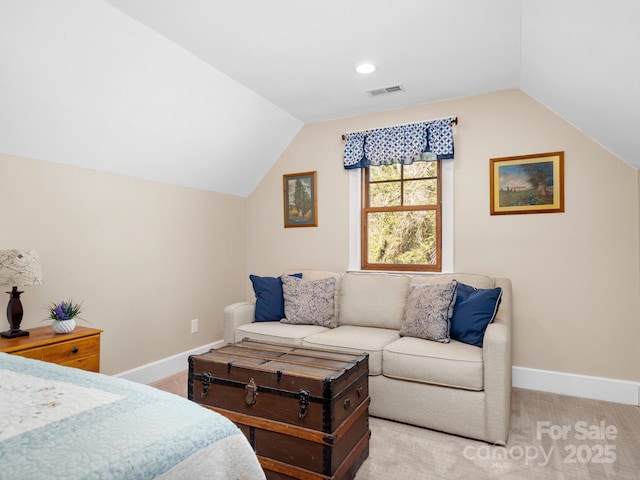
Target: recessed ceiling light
{"points": [[365, 68]]}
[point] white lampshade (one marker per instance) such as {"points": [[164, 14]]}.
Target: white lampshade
{"points": [[20, 268]]}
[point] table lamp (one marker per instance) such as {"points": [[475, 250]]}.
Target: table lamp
{"points": [[18, 268]]}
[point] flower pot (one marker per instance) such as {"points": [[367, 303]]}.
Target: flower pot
{"points": [[63, 326]]}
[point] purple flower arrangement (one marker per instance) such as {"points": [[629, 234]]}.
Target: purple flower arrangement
{"points": [[64, 310]]}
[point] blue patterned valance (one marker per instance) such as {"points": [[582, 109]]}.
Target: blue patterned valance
{"points": [[414, 142]]}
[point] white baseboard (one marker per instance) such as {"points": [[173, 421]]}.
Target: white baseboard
{"points": [[598, 388], [166, 367]]}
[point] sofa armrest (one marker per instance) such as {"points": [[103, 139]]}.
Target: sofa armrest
{"points": [[497, 381], [235, 315], [496, 353]]}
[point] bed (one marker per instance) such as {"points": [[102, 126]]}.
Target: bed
{"points": [[58, 422]]}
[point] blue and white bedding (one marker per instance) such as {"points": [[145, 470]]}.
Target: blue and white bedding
{"points": [[58, 422]]}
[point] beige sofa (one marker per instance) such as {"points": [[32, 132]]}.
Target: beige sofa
{"points": [[451, 387]]}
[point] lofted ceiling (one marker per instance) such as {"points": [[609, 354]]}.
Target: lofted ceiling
{"points": [[188, 91]]}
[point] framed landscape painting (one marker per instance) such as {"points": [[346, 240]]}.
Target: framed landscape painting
{"points": [[300, 200], [527, 184]]}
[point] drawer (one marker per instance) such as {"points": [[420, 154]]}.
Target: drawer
{"points": [[90, 363], [36, 353], [72, 350]]}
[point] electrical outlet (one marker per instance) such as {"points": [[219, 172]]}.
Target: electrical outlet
{"points": [[194, 325]]}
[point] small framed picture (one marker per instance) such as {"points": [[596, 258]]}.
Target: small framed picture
{"points": [[300, 200], [527, 184]]}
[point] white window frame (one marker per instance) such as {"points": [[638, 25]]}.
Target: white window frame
{"points": [[355, 186]]}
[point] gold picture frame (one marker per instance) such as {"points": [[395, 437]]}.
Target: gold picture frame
{"points": [[527, 184], [300, 200]]}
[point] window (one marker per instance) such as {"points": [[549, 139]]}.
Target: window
{"points": [[401, 206], [401, 217]]}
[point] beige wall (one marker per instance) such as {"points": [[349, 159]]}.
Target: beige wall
{"points": [[145, 258], [575, 275]]}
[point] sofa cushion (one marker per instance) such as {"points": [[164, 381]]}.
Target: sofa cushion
{"points": [[453, 364], [478, 281], [373, 300], [269, 299], [350, 338], [475, 309], [428, 311], [276, 332], [309, 302]]}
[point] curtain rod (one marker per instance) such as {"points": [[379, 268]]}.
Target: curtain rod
{"points": [[454, 121]]}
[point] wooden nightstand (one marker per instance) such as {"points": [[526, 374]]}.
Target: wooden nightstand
{"points": [[79, 349]]}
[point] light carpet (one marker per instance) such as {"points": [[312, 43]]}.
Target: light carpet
{"points": [[551, 437]]}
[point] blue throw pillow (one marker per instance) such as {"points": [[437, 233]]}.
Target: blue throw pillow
{"points": [[475, 308], [269, 299]]}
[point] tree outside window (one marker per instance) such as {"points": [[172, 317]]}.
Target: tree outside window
{"points": [[401, 217]]}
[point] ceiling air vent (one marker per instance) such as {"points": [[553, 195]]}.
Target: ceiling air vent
{"points": [[385, 90]]}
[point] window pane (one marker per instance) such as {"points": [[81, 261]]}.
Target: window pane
{"points": [[384, 194], [402, 237], [421, 170], [421, 192], [384, 172]]}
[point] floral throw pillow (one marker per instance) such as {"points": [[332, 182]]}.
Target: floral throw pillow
{"points": [[309, 302], [428, 311]]}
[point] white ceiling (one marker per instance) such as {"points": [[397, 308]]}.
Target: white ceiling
{"points": [[185, 91], [301, 55]]}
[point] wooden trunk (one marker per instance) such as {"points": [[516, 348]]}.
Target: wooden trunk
{"points": [[304, 411]]}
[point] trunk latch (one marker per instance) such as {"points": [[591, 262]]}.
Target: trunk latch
{"points": [[304, 403], [251, 393]]}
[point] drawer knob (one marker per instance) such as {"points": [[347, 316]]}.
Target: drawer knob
{"points": [[74, 350]]}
